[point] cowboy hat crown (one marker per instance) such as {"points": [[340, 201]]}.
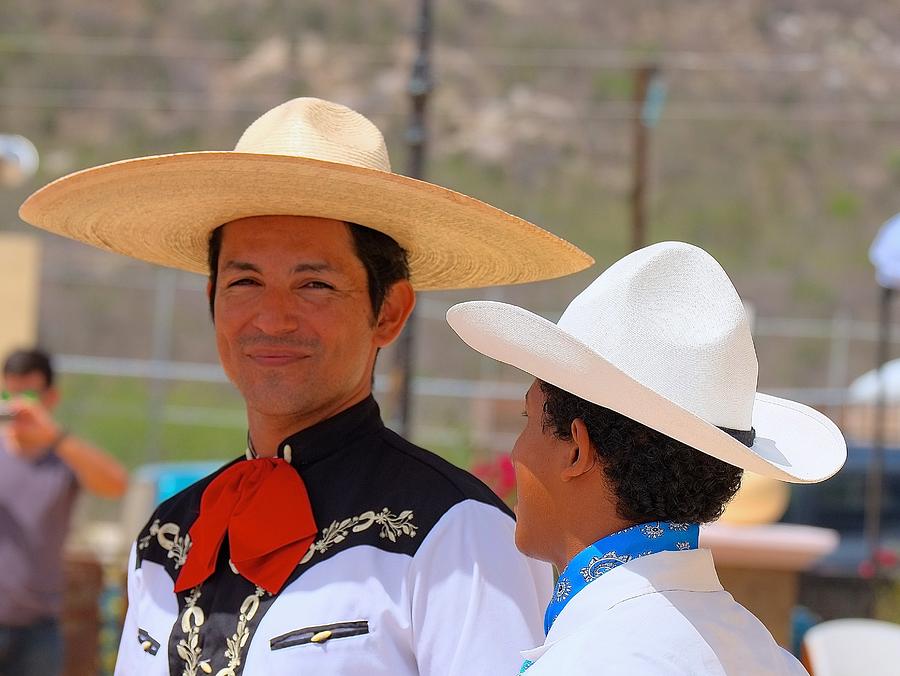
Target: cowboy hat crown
{"points": [[679, 329]]}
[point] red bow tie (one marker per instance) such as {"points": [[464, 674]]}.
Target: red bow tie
{"points": [[263, 506]]}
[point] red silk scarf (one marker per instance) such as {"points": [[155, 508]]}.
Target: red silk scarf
{"points": [[263, 506]]}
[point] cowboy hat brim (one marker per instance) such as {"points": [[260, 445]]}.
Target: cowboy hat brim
{"points": [[793, 443], [162, 209]]}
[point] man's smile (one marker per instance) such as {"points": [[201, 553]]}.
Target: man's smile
{"points": [[276, 356]]}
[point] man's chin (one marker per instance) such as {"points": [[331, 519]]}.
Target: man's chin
{"points": [[282, 409], [269, 402], [524, 543]]}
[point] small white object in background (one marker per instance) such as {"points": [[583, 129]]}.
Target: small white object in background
{"points": [[864, 390], [851, 646], [885, 254], [18, 160]]}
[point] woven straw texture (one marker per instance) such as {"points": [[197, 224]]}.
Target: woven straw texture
{"points": [[307, 157]]}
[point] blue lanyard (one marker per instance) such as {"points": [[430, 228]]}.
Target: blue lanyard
{"points": [[614, 550]]}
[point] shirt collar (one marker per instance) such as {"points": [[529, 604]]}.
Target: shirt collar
{"points": [[612, 551], [313, 443], [683, 571]]}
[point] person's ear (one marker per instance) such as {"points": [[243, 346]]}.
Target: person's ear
{"points": [[581, 457], [395, 310], [50, 398]]}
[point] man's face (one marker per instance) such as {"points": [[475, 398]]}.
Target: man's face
{"points": [[293, 319], [536, 458], [31, 384]]}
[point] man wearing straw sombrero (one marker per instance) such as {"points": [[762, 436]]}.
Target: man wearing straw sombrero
{"points": [[643, 414], [333, 546]]}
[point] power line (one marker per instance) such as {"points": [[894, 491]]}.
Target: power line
{"points": [[124, 100], [149, 100], [511, 56], [113, 46], [201, 50]]}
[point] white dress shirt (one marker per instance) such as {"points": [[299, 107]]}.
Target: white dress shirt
{"points": [[414, 573], [663, 614]]}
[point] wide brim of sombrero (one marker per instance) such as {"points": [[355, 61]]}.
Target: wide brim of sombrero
{"points": [[162, 209], [794, 442]]}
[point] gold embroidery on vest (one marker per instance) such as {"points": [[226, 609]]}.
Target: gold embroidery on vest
{"points": [[167, 535], [189, 649], [239, 639], [392, 526]]}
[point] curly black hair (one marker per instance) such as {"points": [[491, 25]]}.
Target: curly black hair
{"points": [[654, 477]]}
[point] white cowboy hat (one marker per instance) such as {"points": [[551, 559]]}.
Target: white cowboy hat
{"points": [[306, 157], [662, 338]]}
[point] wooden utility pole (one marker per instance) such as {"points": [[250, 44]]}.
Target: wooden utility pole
{"points": [[420, 86], [875, 476], [643, 77], [883, 253]]}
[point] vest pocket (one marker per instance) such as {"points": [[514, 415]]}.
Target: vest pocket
{"points": [[319, 634], [148, 644]]}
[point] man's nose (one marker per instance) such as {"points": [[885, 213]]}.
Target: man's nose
{"points": [[276, 312]]}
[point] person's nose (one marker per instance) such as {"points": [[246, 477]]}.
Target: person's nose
{"points": [[276, 313]]}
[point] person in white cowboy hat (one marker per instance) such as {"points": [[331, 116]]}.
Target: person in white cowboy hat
{"points": [[333, 546], [643, 414]]}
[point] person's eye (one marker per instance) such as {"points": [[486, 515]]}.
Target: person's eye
{"points": [[524, 414], [243, 281], [317, 284]]}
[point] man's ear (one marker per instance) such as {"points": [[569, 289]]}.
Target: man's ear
{"points": [[581, 458], [50, 398], [395, 310]]}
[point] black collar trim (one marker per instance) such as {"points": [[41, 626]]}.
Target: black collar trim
{"points": [[324, 438]]}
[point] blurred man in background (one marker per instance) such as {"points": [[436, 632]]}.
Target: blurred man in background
{"points": [[42, 468]]}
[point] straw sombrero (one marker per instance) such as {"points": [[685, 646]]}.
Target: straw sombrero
{"points": [[306, 157], [662, 338]]}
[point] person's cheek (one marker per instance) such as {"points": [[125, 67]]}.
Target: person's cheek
{"points": [[532, 518]]}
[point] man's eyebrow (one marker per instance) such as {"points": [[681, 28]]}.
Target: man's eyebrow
{"points": [[240, 265], [313, 267]]}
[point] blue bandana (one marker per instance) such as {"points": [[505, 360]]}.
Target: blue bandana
{"points": [[614, 550]]}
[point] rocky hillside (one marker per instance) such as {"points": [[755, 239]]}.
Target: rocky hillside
{"points": [[777, 146]]}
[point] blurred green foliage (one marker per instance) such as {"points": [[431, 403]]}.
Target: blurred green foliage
{"points": [[200, 420]]}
